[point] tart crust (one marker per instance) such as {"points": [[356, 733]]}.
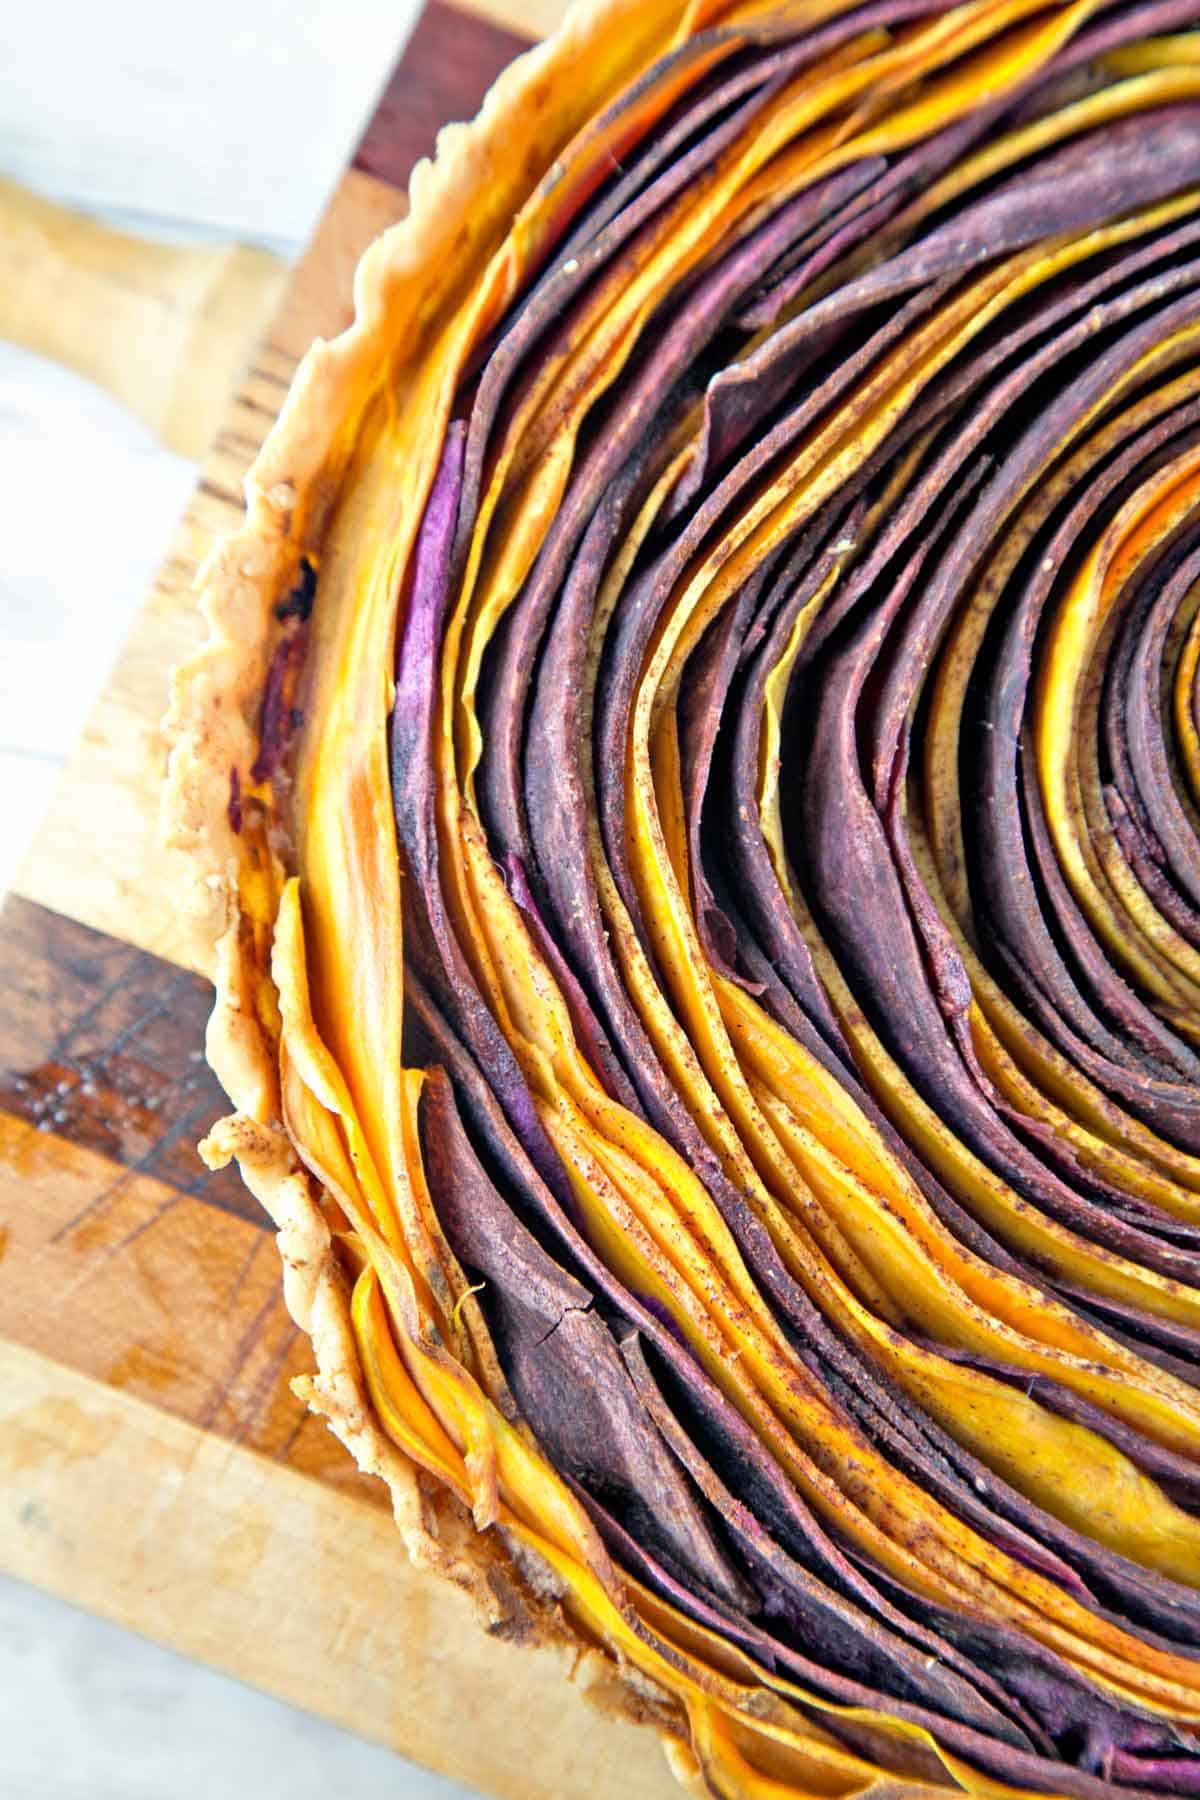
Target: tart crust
{"points": [[212, 728], [319, 492]]}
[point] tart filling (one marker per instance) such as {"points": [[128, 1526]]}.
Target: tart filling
{"points": [[695, 778]]}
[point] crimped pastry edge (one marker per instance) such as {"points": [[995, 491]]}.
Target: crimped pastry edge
{"points": [[211, 728]]}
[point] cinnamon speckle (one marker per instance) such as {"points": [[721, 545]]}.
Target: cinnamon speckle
{"points": [[234, 809]]}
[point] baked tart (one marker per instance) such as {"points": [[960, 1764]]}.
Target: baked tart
{"points": [[693, 790]]}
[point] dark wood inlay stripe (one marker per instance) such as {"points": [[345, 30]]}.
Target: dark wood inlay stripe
{"points": [[103, 1045], [451, 61]]}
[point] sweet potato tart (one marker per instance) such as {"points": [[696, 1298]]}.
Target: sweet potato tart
{"points": [[693, 799]]}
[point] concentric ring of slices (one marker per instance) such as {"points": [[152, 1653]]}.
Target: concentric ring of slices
{"points": [[694, 786]]}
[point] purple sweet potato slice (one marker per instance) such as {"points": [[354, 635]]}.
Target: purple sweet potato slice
{"points": [[635, 622], [1144, 1598], [561, 1360], [677, 343], [433, 940], [846, 1621], [849, 855], [742, 396], [1137, 743], [721, 111], [766, 904], [1047, 1683], [1125, 1034], [1091, 179], [779, 1659]]}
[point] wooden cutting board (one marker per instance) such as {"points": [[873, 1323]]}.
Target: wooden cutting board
{"points": [[154, 1465]]}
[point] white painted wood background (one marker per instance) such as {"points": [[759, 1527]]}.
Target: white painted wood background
{"points": [[233, 116], [227, 119]]}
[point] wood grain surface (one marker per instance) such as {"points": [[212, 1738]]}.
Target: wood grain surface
{"points": [[80, 293], [154, 1464], [297, 1586]]}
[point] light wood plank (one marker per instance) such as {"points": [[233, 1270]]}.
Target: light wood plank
{"points": [[270, 1576], [528, 18], [80, 293], [119, 1276]]}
